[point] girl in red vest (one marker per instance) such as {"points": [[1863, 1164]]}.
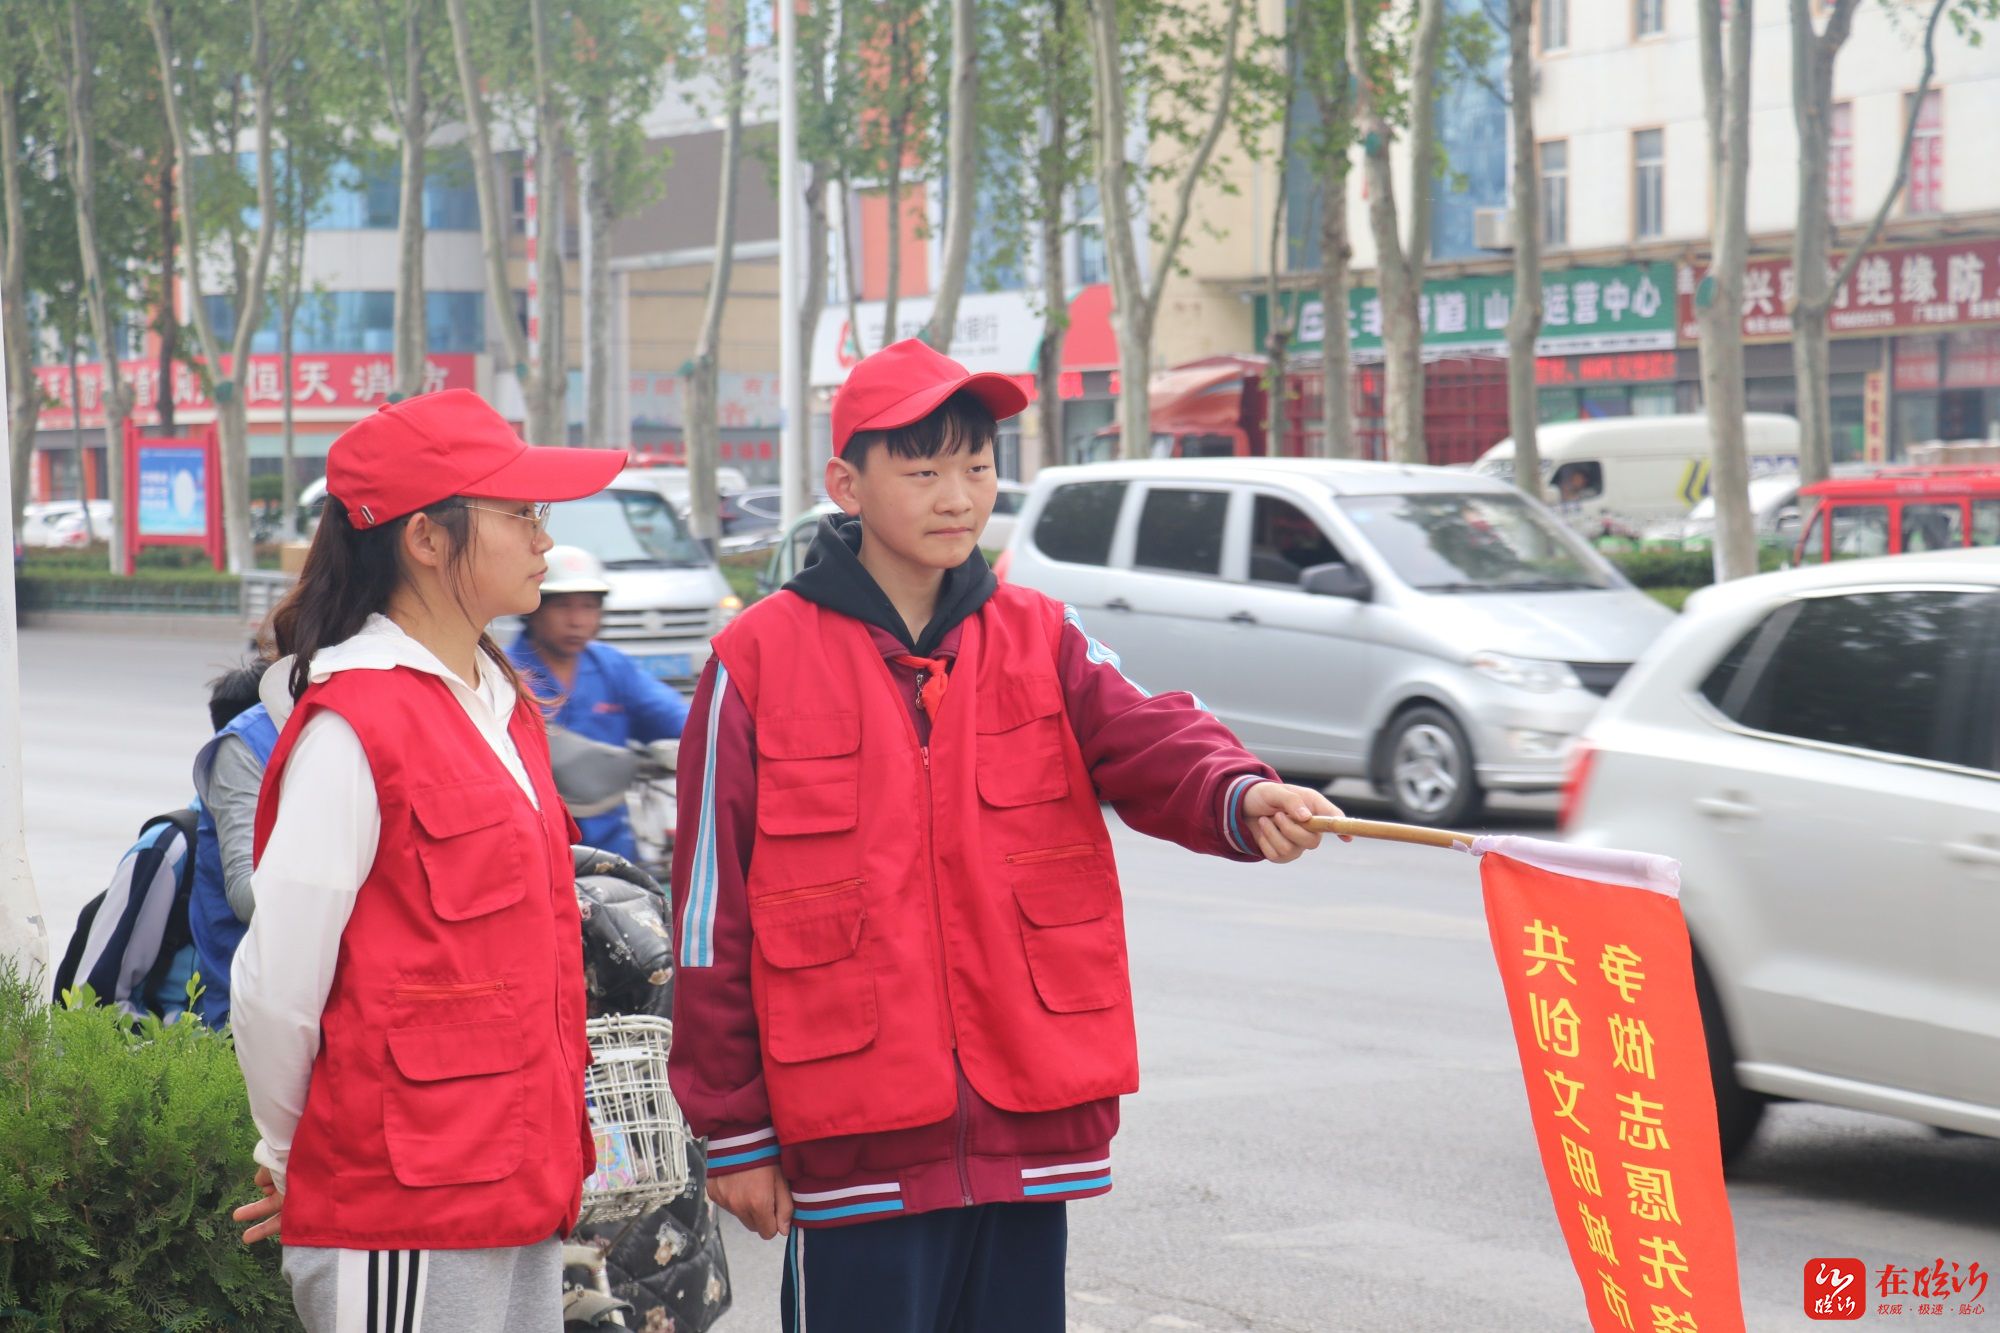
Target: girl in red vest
{"points": [[898, 920], [408, 1004]]}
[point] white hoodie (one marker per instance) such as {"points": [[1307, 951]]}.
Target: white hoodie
{"points": [[319, 853]]}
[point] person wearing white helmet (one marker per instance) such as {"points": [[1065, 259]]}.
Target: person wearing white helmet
{"points": [[591, 688]]}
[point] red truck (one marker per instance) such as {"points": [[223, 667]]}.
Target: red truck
{"points": [[1218, 407]]}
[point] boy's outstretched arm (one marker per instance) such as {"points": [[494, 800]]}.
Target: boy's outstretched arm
{"points": [[1171, 769], [715, 1066]]}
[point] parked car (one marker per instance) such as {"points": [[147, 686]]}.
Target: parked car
{"points": [[675, 483], [1820, 748], [1774, 517], [1620, 475], [1432, 631], [60, 523], [1895, 510], [1007, 505]]}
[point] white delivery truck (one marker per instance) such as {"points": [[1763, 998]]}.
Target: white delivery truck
{"points": [[1622, 475]]}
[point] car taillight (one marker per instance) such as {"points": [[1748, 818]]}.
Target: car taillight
{"points": [[1582, 758]]}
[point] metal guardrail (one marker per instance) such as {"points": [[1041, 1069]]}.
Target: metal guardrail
{"points": [[263, 589]]}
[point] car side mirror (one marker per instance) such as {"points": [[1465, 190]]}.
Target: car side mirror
{"points": [[1336, 580]]}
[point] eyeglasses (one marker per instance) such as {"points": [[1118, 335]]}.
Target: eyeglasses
{"points": [[538, 515]]}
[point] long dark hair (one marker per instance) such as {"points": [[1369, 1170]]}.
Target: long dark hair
{"points": [[350, 574]]}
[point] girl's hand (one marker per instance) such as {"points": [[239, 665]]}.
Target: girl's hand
{"points": [[1277, 815], [264, 1213]]}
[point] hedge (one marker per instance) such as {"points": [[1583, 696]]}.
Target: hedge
{"points": [[1671, 568], [123, 1148]]}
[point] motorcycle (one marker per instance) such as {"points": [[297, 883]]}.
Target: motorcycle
{"points": [[595, 778]]}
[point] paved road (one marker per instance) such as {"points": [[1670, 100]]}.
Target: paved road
{"points": [[1333, 1133]]}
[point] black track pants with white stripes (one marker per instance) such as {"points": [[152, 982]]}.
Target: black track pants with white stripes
{"points": [[405, 1291]]}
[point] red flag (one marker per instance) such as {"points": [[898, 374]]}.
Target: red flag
{"points": [[1594, 957]]}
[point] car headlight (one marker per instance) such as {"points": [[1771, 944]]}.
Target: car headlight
{"points": [[726, 609], [1533, 674]]}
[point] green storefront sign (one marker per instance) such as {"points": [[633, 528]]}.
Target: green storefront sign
{"points": [[1625, 308]]}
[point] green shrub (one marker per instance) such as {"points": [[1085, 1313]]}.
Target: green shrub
{"points": [[1667, 567], [122, 1151]]}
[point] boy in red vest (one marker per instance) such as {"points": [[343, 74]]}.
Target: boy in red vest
{"points": [[904, 1015]]}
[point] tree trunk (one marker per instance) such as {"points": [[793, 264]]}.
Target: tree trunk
{"points": [[76, 442], [1050, 169], [1336, 355], [1281, 321], [412, 329], [23, 391], [1524, 321], [1728, 102], [599, 377], [81, 79], [703, 432], [548, 419], [1135, 301], [169, 316], [819, 177], [893, 264], [1398, 271], [1812, 113], [493, 215], [850, 220], [960, 173]]}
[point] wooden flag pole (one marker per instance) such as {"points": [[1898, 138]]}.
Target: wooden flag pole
{"points": [[1371, 828]]}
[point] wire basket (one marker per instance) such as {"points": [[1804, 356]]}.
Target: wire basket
{"points": [[642, 1141]]}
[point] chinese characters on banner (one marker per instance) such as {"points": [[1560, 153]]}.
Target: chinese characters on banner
{"points": [[1600, 986], [1892, 291], [330, 381]]}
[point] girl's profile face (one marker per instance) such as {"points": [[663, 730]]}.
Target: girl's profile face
{"points": [[503, 568]]}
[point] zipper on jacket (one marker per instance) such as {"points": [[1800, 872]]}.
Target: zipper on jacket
{"points": [[937, 902], [466, 990], [958, 1155], [808, 893], [1072, 853]]}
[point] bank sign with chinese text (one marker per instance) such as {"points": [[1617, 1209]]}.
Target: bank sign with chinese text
{"points": [[1917, 290], [327, 385], [1626, 308]]}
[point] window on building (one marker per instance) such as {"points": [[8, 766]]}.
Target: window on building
{"points": [[1181, 531], [1926, 191], [361, 322], [1840, 163], [1090, 265], [451, 199], [1555, 192], [1649, 181], [1554, 28], [1649, 17]]}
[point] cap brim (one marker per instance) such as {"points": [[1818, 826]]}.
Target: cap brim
{"points": [[1002, 397], [538, 474]]}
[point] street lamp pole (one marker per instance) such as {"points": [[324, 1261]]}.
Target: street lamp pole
{"points": [[791, 367], [24, 936]]}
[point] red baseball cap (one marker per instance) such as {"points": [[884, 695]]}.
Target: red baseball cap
{"points": [[907, 381], [437, 445]]}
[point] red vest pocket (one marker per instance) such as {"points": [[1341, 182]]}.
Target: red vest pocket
{"points": [[808, 772], [452, 1101], [815, 991], [473, 856], [1021, 729], [1075, 944]]}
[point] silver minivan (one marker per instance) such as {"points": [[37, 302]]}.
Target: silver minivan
{"points": [[1432, 631]]}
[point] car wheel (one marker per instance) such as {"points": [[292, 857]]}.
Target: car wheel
{"points": [[1427, 769], [1738, 1110]]}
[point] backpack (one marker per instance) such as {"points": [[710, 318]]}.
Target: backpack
{"points": [[133, 940]]}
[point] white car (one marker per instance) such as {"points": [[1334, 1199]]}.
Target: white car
{"points": [[60, 523], [1820, 749]]}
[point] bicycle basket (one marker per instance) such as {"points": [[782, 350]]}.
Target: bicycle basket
{"points": [[642, 1141]]}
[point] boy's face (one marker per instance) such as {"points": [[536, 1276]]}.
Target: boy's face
{"points": [[928, 511]]}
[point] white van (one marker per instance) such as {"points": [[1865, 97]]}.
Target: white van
{"points": [[1620, 475]]}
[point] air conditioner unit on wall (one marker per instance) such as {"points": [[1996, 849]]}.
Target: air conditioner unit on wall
{"points": [[1493, 228]]}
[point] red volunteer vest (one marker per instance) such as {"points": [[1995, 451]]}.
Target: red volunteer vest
{"points": [[906, 902], [446, 1105]]}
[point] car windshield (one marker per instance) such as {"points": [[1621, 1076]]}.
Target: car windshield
{"points": [[626, 530], [1482, 542]]}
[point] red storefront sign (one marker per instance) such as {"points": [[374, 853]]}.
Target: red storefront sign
{"points": [[1892, 291], [339, 383], [1605, 368], [1968, 359]]}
